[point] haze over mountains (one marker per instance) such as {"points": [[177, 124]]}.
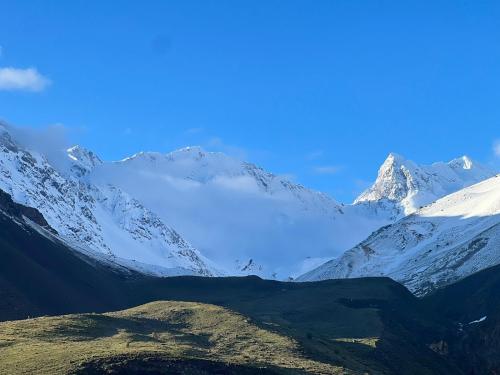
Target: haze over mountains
{"points": [[202, 213]]}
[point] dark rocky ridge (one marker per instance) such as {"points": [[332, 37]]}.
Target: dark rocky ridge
{"points": [[19, 211]]}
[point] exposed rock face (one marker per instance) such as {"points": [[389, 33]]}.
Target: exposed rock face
{"points": [[18, 211]]}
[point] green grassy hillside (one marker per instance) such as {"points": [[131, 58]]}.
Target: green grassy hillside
{"points": [[351, 326], [159, 331]]}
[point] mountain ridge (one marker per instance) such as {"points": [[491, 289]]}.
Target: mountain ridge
{"points": [[409, 186], [449, 239], [204, 213]]}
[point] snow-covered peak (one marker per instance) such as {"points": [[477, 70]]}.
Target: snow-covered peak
{"points": [[411, 186], [193, 163], [394, 158], [82, 161], [84, 157], [193, 166], [190, 152], [394, 180], [445, 241]]}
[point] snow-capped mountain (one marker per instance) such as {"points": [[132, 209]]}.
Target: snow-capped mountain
{"points": [[98, 219], [246, 220], [249, 221], [238, 218], [403, 187], [439, 244]]}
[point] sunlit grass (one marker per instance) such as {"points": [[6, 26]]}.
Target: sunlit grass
{"points": [[173, 330]]}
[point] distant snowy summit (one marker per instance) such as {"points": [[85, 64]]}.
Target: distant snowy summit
{"points": [[410, 186], [443, 242]]}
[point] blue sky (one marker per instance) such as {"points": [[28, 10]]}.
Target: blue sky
{"points": [[321, 90]]}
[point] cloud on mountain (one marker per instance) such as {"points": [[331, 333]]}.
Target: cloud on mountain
{"points": [[51, 141]]}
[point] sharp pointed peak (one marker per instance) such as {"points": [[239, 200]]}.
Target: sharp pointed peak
{"points": [[394, 157], [83, 155]]}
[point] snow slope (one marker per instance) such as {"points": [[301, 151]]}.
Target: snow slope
{"points": [[99, 219], [441, 243], [246, 220]]}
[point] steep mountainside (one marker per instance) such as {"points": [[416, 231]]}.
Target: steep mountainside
{"points": [[246, 220], [441, 243], [40, 275], [101, 220]]}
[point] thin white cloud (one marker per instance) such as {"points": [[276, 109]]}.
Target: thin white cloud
{"points": [[326, 169], [22, 80], [496, 148]]}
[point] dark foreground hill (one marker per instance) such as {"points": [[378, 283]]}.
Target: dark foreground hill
{"points": [[232, 325]]}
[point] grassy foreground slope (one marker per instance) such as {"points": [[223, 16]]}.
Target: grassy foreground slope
{"points": [[370, 326], [158, 331]]}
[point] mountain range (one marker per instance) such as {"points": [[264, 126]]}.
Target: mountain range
{"points": [[225, 325], [402, 281], [193, 212]]}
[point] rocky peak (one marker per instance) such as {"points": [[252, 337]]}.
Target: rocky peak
{"points": [[410, 186], [83, 160], [394, 180]]}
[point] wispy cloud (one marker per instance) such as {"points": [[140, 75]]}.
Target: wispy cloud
{"points": [[496, 148], [326, 169], [22, 80]]}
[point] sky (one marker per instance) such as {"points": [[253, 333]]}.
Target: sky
{"points": [[320, 91]]}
